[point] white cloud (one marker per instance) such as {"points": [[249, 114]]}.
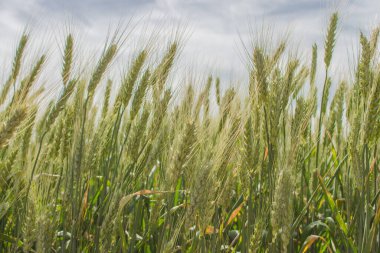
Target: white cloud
{"points": [[215, 24]]}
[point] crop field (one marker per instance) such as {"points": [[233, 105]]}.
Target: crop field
{"points": [[144, 164]]}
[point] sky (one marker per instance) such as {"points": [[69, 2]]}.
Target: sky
{"points": [[217, 29]]}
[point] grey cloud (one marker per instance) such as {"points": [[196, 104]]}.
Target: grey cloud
{"points": [[216, 24], [99, 7], [88, 11], [296, 8]]}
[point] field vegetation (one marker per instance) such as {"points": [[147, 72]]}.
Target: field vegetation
{"points": [[142, 165]]}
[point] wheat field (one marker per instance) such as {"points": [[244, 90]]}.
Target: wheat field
{"points": [[132, 165]]}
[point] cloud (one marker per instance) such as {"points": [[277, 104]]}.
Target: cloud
{"points": [[217, 25]]}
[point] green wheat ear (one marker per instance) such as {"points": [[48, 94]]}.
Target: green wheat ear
{"points": [[161, 73], [67, 59], [260, 73], [249, 159], [60, 104], [10, 127], [330, 39], [374, 40], [107, 95], [129, 81], [313, 67], [371, 118], [140, 94], [278, 53], [28, 82], [217, 90], [100, 69], [183, 153], [15, 68]]}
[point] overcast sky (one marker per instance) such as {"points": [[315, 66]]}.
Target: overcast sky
{"points": [[216, 25]]}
